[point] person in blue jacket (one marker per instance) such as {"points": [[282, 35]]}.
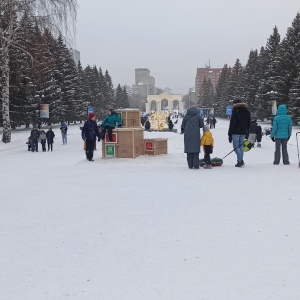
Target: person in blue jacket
{"points": [[109, 124], [89, 134], [281, 133]]}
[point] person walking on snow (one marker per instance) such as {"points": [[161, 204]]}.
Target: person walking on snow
{"points": [[50, 138], [89, 134], [64, 129], [43, 140], [239, 129], [207, 142], [252, 132], [35, 134], [281, 133], [191, 124]]}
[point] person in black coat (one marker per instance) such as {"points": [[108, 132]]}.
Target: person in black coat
{"points": [[50, 138], [170, 124], [89, 134], [191, 124], [35, 134], [147, 125], [239, 129]]}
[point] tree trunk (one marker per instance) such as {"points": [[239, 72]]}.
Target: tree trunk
{"points": [[4, 61]]}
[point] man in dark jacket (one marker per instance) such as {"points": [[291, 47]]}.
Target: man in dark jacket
{"points": [[239, 129], [191, 124], [50, 138], [89, 133], [35, 134]]}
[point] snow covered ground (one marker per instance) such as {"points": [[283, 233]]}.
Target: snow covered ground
{"points": [[148, 228]]}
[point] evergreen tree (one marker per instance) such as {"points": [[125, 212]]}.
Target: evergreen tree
{"points": [[288, 64], [221, 98], [125, 98], [119, 96]]}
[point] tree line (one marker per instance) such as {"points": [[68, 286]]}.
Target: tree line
{"points": [[275, 67], [37, 67]]}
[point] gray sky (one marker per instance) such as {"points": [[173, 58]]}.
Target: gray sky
{"points": [[173, 37]]}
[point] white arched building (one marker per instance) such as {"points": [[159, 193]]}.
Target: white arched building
{"points": [[164, 103]]}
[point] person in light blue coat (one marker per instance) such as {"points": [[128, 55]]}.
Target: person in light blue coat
{"points": [[281, 133]]}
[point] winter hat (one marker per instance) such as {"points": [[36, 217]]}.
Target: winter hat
{"points": [[237, 100], [91, 115], [205, 128]]}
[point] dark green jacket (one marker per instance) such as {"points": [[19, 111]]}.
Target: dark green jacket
{"points": [[111, 121]]}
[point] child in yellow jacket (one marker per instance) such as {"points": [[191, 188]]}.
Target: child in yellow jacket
{"points": [[207, 142]]}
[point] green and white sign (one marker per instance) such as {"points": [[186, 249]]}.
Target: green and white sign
{"points": [[120, 115], [109, 150]]}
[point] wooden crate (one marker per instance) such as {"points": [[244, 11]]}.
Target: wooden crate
{"points": [[131, 118], [130, 143], [156, 146]]}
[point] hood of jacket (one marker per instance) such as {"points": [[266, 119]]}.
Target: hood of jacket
{"points": [[192, 111], [282, 110]]}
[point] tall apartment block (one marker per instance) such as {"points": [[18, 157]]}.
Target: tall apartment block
{"points": [[210, 73], [144, 86]]}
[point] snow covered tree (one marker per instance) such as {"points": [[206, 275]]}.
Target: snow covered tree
{"points": [[53, 14], [221, 98]]}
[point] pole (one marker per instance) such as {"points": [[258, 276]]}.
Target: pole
{"points": [[298, 149], [233, 150]]}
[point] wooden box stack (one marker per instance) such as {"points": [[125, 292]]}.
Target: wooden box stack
{"points": [[156, 146], [131, 118], [127, 143]]}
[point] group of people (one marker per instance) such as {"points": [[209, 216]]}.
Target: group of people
{"points": [[91, 131], [240, 128], [36, 135]]}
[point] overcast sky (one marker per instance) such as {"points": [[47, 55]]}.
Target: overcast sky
{"points": [[173, 37]]}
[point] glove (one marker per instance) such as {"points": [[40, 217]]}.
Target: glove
{"points": [[230, 138], [119, 125], [288, 138], [182, 131], [273, 139], [99, 138]]}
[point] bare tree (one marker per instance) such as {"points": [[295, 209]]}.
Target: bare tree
{"points": [[55, 15]]}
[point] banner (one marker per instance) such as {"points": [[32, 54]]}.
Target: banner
{"points": [[274, 107], [44, 111], [228, 110]]}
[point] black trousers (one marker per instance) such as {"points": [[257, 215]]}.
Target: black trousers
{"points": [[50, 146], [207, 152], [89, 149], [109, 131], [34, 145], [193, 160]]}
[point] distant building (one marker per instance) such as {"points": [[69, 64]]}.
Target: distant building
{"points": [[210, 73], [144, 86], [75, 55], [164, 103]]}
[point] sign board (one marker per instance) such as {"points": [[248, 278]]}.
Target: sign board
{"points": [[110, 150], [114, 137], [149, 146], [201, 111], [120, 115], [228, 110], [44, 110], [90, 109]]}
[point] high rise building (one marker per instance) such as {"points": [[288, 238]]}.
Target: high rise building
{"points": [[144, 86], [210, 73]]}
